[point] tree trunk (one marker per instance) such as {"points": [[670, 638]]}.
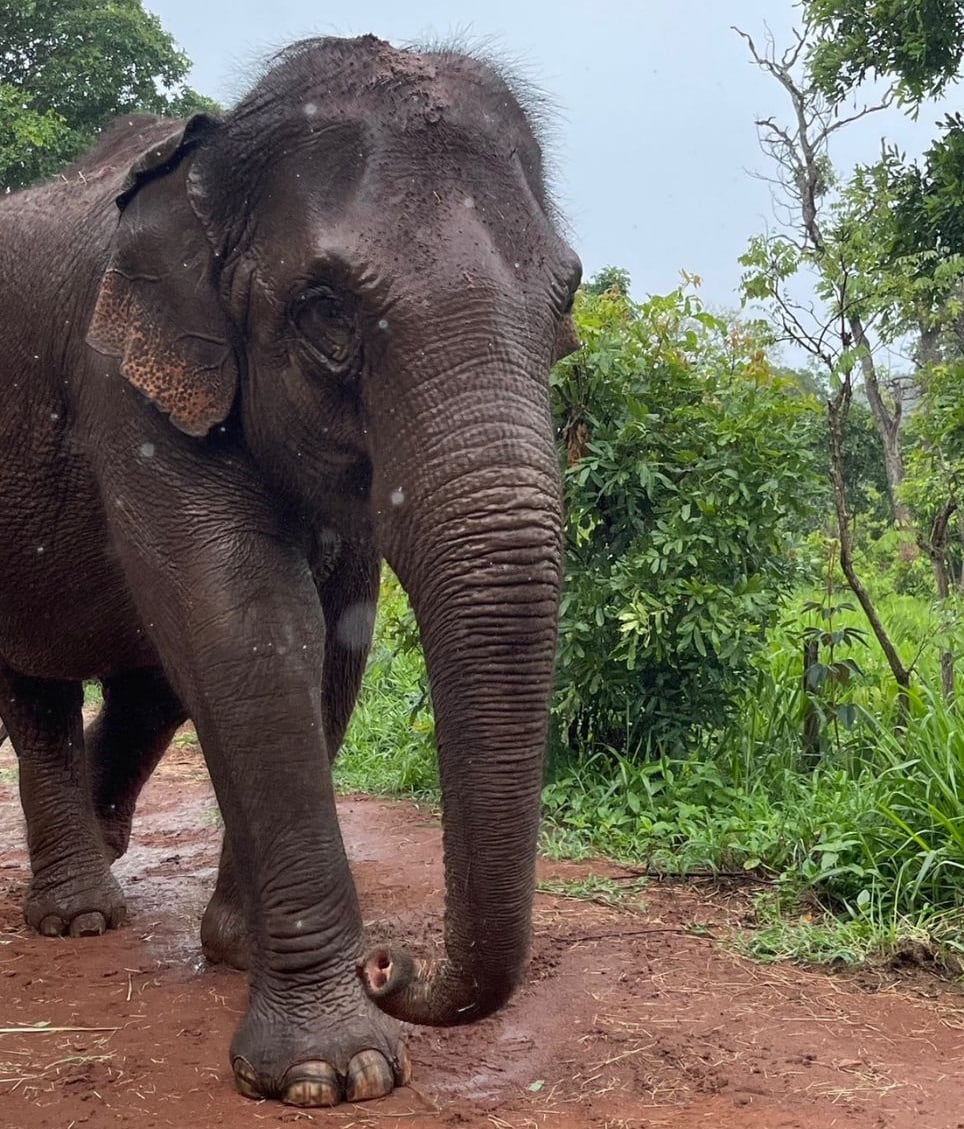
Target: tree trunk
{"points": [[888, 427], [936, 549], [837, 410]]}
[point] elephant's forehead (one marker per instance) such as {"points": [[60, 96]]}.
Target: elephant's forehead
{"points": [[380, 192], [392, 92]]}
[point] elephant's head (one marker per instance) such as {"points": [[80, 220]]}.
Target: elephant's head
{"points": [[359, 265]]}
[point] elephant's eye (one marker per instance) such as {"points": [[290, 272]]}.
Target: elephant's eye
{"points": [[327, 321]]}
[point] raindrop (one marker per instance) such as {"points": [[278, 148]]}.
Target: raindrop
{"points": [[397, 496], [40, 548], [383, 323], [54, 415], [468, 202], [146, 450], [310, 109]]}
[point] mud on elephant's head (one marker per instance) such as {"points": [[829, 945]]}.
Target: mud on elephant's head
{"points": [[358, 270]]}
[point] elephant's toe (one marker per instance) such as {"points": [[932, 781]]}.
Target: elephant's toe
{"points": [[311, 1085], [88, 925], [316, 1083], [75, 908], [52, 926], [371, 1075], [246, 1079]]}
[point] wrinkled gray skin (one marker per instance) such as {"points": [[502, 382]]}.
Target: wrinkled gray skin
{"points": [[242, 361]]}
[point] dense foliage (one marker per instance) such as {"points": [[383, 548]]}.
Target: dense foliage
{"points": [[917, 43], [917, 47], [686, 460], [66, 68]]}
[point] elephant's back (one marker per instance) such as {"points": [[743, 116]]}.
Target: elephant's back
{"points": [[97, 176], [74, 212]]}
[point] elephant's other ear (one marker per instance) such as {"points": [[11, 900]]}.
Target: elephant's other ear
{"points": [[158, 307], [567, 340]]}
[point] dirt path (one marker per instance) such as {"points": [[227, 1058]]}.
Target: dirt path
{"points": [[629, 1021]]}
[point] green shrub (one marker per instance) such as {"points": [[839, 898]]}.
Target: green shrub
{"points": [[687, 460]]}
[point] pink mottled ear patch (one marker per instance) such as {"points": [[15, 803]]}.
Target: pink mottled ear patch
{"points": [[108, 327], [191, 376]]}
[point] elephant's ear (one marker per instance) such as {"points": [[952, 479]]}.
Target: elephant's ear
{"points": [[567, 340], [158, 307]]}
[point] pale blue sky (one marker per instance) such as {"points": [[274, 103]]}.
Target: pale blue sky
{"points": [[655, 137]]}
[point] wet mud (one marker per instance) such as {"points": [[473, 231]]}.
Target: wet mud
{"points": [[633, 1017]]}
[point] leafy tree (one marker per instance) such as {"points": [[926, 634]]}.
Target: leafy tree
{"points": [[68, 66], [864, 471], [687, 461], [916, 208], [609, 278], [880, 249], [918, 44]]}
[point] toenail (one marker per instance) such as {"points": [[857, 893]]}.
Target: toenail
{"points": [[88, 925], [245, 1079], [369, 1076], [402, 1066], [310, 1085]]}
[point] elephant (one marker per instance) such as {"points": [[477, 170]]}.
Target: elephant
{"points": [[246, 357]]}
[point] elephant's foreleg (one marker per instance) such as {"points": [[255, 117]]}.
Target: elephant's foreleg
{"points": [[124, 743], [72, 890], [348, 596], [239, 625]]}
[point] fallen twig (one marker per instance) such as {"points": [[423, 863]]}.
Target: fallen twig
{"points": [[574, 938], [693, 875]]}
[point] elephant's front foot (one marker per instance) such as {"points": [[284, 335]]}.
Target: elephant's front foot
{"points": [[353, 1057], [224, 934], [81, 905]]}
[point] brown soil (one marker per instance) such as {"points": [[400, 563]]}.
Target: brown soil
{"points": [[632, 1018]]}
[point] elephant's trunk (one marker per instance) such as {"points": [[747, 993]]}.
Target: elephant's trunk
{"points": [[484, 582]]}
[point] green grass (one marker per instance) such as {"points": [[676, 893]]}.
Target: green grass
{"points": [[597, 888], [388, 748], [786, 934]]}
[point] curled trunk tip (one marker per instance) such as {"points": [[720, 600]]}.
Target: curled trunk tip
{"points": [[427, 992]]}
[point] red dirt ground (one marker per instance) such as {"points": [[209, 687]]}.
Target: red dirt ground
{"points": [[632, 1018]]}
